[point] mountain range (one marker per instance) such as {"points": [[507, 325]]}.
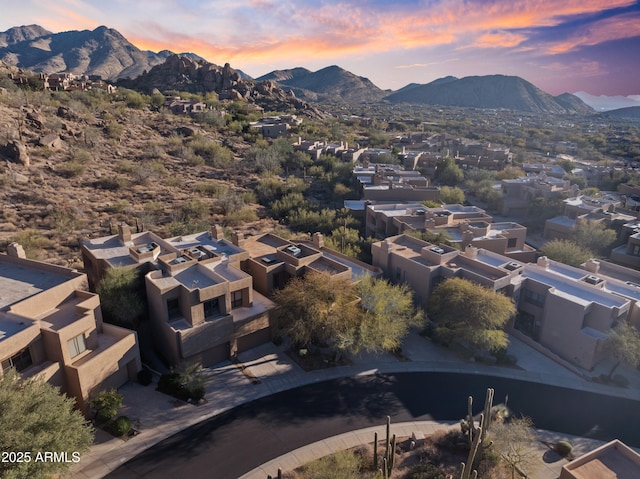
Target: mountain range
{"points": [[105, 52], [490, 91], [328, 84]]}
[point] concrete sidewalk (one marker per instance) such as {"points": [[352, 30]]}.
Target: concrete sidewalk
{"points": [[267, 369]]}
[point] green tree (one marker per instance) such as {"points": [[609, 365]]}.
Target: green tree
{"points": [[346, 240], [594, 236], [106, 404], [313, 310], [36, 418], [389, 313], [472, 315], [121, 297], [623, 344], [451, 195], [567, 252], [448, 173], [316, 310], [513, 440]]}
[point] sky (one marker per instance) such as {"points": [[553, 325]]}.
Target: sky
{"points": [[558, 45]]}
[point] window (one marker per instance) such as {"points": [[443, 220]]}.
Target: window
{"points": [[511, 243], [534, 298], [211, 308], [236, 299], [77, 345], [173, 308], [20, 361], [636, 250]]}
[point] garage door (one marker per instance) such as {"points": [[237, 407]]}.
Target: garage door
{"points": [[215, 355], [254, 339]]}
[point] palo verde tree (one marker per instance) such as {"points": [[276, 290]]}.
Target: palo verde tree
{"points": [[567, 252], [122, 297], [36, 418], [623, 344], [464, 312], [594, 236], [316, 310]]}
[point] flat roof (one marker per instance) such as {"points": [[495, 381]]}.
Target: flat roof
{"points": [[19, 282], [577, 291]]}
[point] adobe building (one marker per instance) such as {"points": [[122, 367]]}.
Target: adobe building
{"points": [[202, 305], [463, 225], [565, 312], [614, 460], [124, 250], [51, 326], [519, 193], [274, 261]]}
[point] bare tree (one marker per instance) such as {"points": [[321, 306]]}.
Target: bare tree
{"points": [[513, 440]]}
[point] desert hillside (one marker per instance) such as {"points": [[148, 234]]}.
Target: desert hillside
{"points": [[74, 163]]}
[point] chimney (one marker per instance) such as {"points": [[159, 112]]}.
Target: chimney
{"points": [[124, 233], [471, 251], [216, 232], [318, 240], [544, 262], [16, 250], [592, 266], [237, 239]]}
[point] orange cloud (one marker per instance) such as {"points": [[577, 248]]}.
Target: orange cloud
{"points": [[291, 32], [499, 40]]}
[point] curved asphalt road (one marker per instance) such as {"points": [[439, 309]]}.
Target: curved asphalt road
{"points": [[229, 445]]}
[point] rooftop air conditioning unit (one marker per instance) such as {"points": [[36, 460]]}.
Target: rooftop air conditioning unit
{"points": [[591, 279], [294, 250], [437, 249]]}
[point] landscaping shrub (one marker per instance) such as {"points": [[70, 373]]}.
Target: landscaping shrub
{"points": [[121, 426], [426, 471], [563, 448], [185, 384], [145, 377], [106, 404]]}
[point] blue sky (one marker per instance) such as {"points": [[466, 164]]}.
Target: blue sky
{"points": [[560, 46]]}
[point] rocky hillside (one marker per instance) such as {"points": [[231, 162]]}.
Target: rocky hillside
{"points": [[71, 164], [330, 84], [185, 74], [103, 52], [492, 91]]}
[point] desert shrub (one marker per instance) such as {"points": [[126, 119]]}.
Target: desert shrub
{"points": [[71, 169], [119, 206], [192, 210], [33, 242], [106, 404], [113, 130], [81, 156], [111, 183], [211, 188], [145, 377], [453, 440], [343, 464], [564, 448], [240, 216], [121, 426], [184, 383], [425, 471]]}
